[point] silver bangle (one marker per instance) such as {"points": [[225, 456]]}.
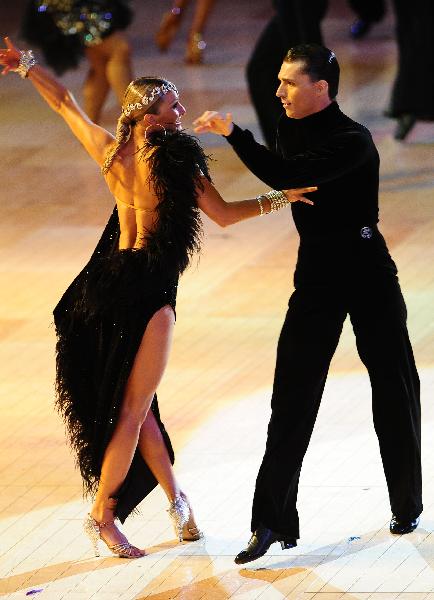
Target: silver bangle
{"points": [[27, 61], [261, 208], [277, 200]]}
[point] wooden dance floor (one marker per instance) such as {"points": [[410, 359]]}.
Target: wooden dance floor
{"points": [[215, 395]]}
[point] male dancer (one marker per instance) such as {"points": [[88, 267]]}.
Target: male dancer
{"points": [[343, 267]]}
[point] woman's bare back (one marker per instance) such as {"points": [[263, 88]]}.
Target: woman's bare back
{"points": [[128, 181]]}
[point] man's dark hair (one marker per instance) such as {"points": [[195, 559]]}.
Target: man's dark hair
{"points": [[319, 63]]}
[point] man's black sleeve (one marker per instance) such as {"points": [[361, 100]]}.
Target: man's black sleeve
{"points": [[340, 153]]}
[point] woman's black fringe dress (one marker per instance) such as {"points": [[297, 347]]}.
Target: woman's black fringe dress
{"points": [[101, 318]]}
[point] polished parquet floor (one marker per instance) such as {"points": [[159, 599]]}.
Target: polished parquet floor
{"points": [[215, 395]]}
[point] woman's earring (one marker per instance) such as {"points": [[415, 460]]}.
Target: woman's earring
{"points": [[153, 125]]}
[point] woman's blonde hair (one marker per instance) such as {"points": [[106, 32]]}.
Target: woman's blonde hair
{"points": [[134, 110]]}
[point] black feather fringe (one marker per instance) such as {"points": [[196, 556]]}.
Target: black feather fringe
{"points": [[175, 168]]}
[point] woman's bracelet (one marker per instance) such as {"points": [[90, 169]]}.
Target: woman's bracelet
{"points": [[27, 61], [277, 200]]}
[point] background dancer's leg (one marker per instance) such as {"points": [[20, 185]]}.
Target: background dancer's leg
{"points": [[110, 68]]}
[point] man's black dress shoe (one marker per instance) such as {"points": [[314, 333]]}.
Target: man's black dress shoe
{"points": [[259, 543], [401, 526]]}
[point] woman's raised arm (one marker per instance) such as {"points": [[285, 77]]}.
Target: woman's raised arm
{"points": [[94, 138]]}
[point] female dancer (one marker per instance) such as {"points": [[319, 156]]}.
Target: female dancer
{"points": [[114, 323], [67, 30]]}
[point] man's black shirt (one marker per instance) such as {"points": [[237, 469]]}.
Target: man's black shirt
{"points": [[329, 150]]}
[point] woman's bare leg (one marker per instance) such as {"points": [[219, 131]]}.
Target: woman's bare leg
{"points": [[110, 67], [119, 71], [96, 85], [182, 4], [195, 42], [169, 24], [146, 373], [154, 452], [200, 17]]}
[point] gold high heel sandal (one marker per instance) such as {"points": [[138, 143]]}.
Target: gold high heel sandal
{"points": [[168, 27], [183, 522], [195, 49], [93, 528]]}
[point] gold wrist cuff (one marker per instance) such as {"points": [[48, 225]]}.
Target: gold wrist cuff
{"points": [[261, 208], [277, 200]]}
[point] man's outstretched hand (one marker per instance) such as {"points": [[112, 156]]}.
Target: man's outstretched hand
{"points": [[213, 122]]}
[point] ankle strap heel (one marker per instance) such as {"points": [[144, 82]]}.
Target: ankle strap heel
{"points": [[91, 529], [179, 512], [183, 519]]}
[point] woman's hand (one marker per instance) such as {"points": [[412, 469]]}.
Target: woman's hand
{"points": [[213, 122], [296, 195], [9, 57]]}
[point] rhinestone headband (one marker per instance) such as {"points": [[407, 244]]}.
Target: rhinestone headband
{"points": [[156, 92]]}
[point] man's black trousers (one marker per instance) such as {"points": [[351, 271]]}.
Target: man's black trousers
{"points": [[306, 346]]}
